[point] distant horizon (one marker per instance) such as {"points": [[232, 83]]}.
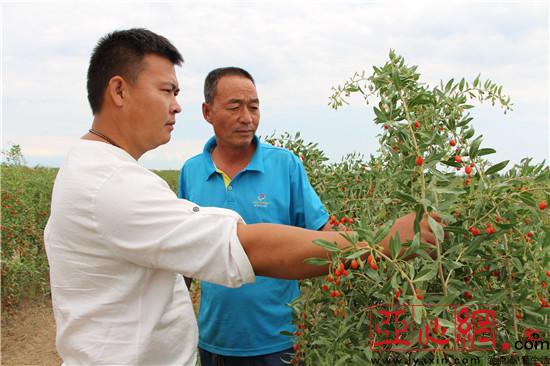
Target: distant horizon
{"points": [[510, 165]]}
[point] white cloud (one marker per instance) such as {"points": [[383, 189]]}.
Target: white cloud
{"points": [[296, 50]]}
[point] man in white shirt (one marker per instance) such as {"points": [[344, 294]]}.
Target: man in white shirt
{"points": [[119, 240]]}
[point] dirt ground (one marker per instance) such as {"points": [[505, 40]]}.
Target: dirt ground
{"points": [[28, 335]]}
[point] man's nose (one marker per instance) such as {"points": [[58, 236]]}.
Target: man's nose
{"points": [[176, 108], [245, 115]]}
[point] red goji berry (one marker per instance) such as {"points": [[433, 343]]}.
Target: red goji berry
{"points": [[397, 294]]}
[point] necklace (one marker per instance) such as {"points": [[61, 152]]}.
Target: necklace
{"points": [[92, 131]]}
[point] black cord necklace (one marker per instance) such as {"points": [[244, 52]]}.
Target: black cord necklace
{"points": [[99, 134]]}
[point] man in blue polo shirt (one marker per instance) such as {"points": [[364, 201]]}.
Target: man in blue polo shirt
{"points": [[264, 184]]}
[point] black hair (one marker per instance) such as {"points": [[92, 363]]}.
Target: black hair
{"points": [[121, 53], [215, 75]]}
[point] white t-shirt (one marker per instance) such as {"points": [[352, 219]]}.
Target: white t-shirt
{"points": [[118, 240]]}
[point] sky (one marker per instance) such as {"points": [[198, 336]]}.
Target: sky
{"points": [[296, 50]]}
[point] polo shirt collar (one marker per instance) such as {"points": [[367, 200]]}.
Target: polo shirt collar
{"points": [[255, 164]]}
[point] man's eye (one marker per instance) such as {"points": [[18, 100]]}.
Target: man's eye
{"points": [[171, 91]]}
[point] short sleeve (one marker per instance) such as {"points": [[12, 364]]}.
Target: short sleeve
{"points": [[181, 188], [307, 210], [141, 220]]}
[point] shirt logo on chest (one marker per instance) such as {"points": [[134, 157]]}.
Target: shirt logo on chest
{"points": [[260, 201]]}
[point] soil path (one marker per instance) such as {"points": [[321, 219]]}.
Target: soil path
{"points": [[28, 335]]}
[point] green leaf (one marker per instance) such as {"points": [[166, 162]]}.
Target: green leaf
{"points": [[426, 203], [415, 245], [446, 190], [446, 300], [474, 147], [449, 264], [517, 264], [438, 175], [504, 226], [468, 134], [528, 199], [486, 151], [418, 218], [357, 254], [405, 197], [461, 84], [426, 274], [497, 298], [451, 162], [395, 245], [456, 230], [437, 229], [418, 311], [317, 261], [497, 167], [395, 78], [331, 247], [382, 232], [448, 85], [380, 115]]}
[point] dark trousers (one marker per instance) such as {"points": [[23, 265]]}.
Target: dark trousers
{"points": [[272, 359]]}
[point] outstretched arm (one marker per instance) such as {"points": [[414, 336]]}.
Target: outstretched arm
{"points": [[279, 251]]}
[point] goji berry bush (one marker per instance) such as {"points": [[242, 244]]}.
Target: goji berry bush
{"points": [[493, 245], [26, 194]]}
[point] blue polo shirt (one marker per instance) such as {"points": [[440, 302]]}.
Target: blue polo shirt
{"points": [[273, 188]]}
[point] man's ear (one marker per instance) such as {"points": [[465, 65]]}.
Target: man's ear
{"points": [[117, 90], [206, 112]]}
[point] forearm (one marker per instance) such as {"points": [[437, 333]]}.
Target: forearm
{"points": [[279, 251]]}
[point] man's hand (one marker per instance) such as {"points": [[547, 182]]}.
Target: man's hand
{"points": [[405, 226]]}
